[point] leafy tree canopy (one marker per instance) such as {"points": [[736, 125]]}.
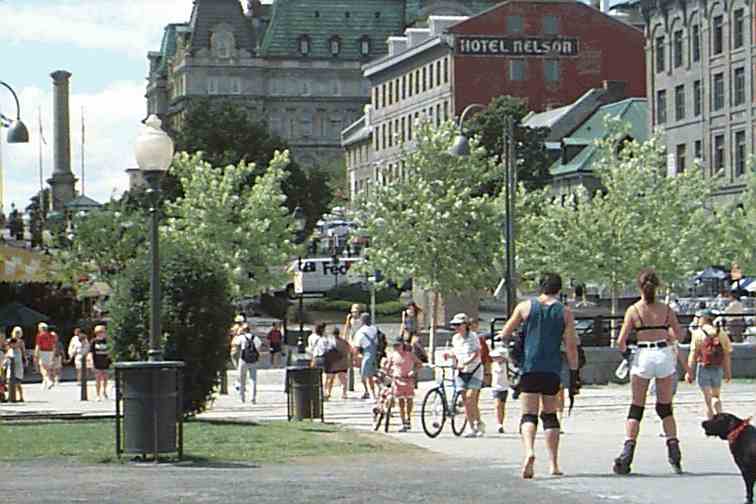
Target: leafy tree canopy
{"points": [[489, 125], [227, 134]]}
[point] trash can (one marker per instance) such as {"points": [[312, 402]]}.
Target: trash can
{"points": [[152, 397], [304, 387]]}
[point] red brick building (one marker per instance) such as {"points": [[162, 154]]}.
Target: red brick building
{"points": [[548, 52]]}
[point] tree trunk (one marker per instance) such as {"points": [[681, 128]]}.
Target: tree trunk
{"points": [[434, 324], [614, 314]]}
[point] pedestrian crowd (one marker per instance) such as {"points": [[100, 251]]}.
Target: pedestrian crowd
{"points": [[49, 356]]}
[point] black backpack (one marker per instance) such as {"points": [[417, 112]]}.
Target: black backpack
{"points": [[250, 355]]}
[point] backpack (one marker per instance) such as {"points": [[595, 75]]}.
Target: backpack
{"points": [[711, 352], [250, 355]]}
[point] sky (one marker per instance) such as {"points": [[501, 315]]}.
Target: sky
{"points": [[104, 44]]}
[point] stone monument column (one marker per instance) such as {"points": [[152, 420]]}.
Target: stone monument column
{"points": [[62, 182]]}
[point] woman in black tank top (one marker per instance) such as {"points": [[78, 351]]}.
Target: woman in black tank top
{"points": [[657, 329]]}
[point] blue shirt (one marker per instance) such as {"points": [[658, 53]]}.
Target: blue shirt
{"points": [[543, 337]]}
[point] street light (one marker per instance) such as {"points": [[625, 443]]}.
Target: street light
{"points": [[154, 153], [461, 148], [17, 132], [300, 221]]}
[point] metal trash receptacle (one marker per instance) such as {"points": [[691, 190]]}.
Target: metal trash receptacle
{"points": [[304, 387], [151, 393]]}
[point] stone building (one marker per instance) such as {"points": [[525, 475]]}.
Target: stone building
{"points": [[700, 58], [547, 52], [296, 63]]}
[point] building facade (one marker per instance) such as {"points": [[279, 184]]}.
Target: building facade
{"points": [[547, 52], [296, 63], [700, 79]]}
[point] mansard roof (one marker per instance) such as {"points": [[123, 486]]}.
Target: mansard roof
{"points": [[320, 20], [207, 14]]}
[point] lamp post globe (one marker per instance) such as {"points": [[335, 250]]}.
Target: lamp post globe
{"points": [[460, 147], [17, 132], [154, 148]]}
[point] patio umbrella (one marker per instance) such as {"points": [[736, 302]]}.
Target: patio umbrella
{"points": [[16, 314]]}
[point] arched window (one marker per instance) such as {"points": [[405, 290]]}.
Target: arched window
{"points": [[222, 43], [365, 46], [334, 45], [304, 45]]}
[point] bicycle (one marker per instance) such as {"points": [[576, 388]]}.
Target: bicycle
{"points": [[382, 410], [436, 407]]}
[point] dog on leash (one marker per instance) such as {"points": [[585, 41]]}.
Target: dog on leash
{"points": [[741, 436]]}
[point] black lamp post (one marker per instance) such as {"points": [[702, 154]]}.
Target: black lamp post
{"points": [[300, 223], [17, 132], [154, 153], [461, 147]]}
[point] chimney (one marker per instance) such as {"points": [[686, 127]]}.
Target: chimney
{"points": [[614, 90], [63, 181], [396, 45]]}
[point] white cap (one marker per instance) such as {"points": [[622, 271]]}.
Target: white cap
{"points": [[459, 318]]}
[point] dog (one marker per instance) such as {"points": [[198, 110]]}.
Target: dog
{"points": [[742, 439]]}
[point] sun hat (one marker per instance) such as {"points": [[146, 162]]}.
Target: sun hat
{"points": [[708, 313], [459, 319]]}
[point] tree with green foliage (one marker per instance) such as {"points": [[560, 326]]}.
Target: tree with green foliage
{"points": [[489, 124], [196, 313], [227, 133], [434, 225], [734, 224], [642, 218], [247, 227]]}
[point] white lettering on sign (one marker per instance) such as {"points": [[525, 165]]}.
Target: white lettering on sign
{"points": [[503, 46]]}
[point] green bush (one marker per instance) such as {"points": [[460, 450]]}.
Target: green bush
{"points": [[196, 314], [354, 293]]}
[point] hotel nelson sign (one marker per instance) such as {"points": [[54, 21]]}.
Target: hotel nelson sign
{"points": [[503, 46]]}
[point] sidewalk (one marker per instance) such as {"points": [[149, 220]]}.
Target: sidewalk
{"points": [[594, 435]]}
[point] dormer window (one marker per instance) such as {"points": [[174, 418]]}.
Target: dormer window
{"points": [[304, 45], [334, 45], [222, 43], [365, 46]]}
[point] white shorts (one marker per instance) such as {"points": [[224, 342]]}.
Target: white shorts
{"points": [[46, 359], [654, 363]]}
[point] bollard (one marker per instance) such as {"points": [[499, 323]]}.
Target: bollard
{"points": [[224, 381], [84, 372], [12, 379]]}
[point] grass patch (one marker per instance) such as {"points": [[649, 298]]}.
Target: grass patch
{"points": [[270, 442]]}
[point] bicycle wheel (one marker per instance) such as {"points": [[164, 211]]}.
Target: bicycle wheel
{"points": [[433, 414], [388, 417], [458, 419]]}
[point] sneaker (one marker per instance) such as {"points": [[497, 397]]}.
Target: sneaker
{"points": [[404, 428], [501, 429], [472, 434], [481, 428], [365, 396]]}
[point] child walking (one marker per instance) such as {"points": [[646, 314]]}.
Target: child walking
{"points": [[401, 365], [499, 385]]}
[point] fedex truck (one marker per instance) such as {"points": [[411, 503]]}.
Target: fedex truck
{"points": [[320, 274]]}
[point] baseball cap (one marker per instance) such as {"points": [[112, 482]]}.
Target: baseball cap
{"points": [[459, 319]]}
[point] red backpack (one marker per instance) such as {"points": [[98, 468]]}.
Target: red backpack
{"points": [[711, 353]]}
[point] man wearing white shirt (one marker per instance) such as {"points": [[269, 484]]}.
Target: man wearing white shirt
{"points": [[251, 346]]}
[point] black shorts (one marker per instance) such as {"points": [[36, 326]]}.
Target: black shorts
{"points": [[501, 395], [275, 347], [540, 383]]}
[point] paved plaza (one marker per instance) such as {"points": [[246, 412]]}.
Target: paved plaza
{"points": [[593, 437]]}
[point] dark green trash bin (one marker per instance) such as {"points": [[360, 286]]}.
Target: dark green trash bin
{"points": [[151, 397], [304, 388]]}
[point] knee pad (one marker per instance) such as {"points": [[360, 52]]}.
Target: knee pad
{"points": [[636, 412], [529, 419], [664, 410], [550, 421]]}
